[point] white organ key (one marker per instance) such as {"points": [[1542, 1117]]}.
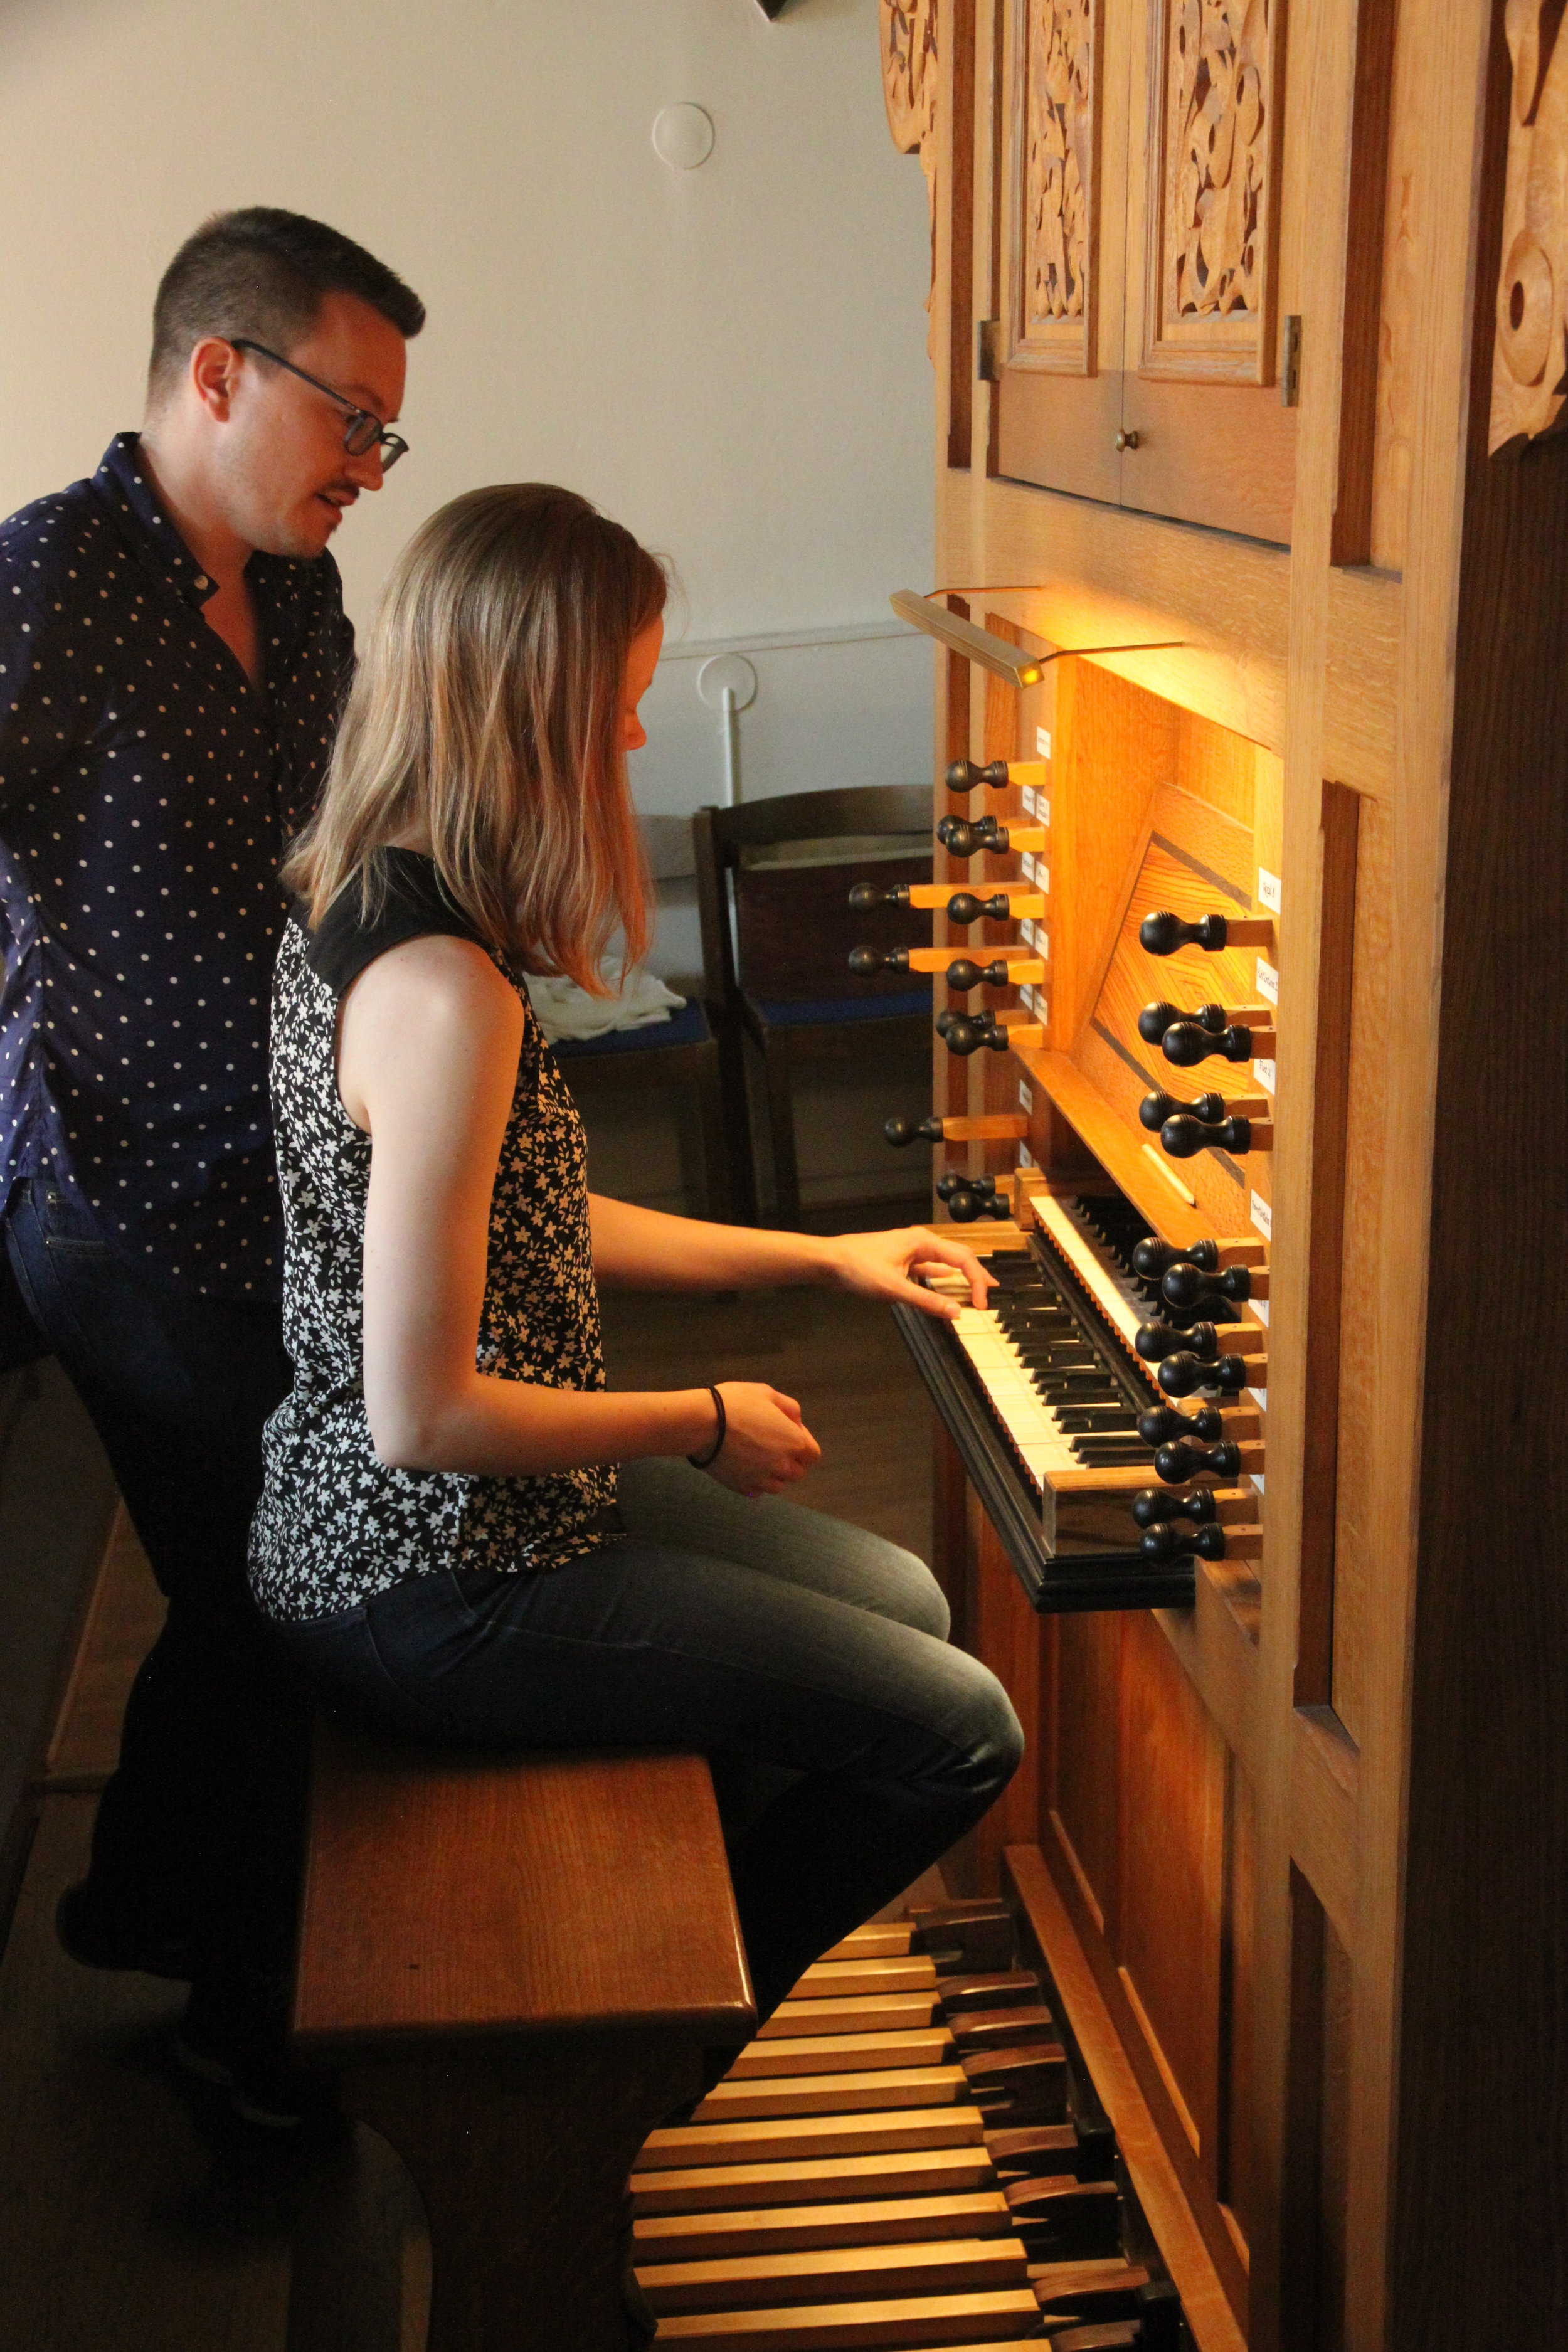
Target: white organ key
{"points": [[1107, 1283], [1031, 1424]]}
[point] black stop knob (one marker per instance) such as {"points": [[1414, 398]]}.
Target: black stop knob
{"points": [[867, 896], [1163, 1423], [1156, 1019], [962, 838], [1184, 1136], [953, 1181], [1161, 934], [1154, 1341], [963, 1035], [1188, 1043], [1152, 1256], [866, 962], [900, 1131], [964, 775], [963, 908], [1179, 1461], [1182, 1374], [1168, 1541], [1150, 1505], [1188, 1287], [965, 1207], [963, 973], [1156, 1109]]}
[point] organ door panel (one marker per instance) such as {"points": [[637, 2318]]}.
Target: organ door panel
{"points": [[1142, 153], [1168, 1944], [1063, 244], [1214, 443]]}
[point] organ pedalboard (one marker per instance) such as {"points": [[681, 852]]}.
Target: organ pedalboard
{"points": [[912, 2152], [1107, 1403]]}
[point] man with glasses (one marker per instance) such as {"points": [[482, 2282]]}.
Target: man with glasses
{"points": [[173, 656]]}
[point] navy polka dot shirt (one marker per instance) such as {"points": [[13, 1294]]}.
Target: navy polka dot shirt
{"points": [[146, 790]]}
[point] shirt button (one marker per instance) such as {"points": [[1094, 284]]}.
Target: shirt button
{"points": [[201, 580]]}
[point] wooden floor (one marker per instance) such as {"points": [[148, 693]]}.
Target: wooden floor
{"points": [[135, 2215]]}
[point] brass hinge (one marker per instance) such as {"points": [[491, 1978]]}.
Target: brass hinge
{"points": [[1290, 362], [986, 366]]}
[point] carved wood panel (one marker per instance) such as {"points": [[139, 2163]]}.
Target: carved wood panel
{"points": [[1214, 89], [910, 80], [1530, 363], [1052, 247]]}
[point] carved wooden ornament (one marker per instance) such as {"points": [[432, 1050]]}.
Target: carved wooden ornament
{"points": [[1215, 73], [1051, 226], [1530, 362], [910, 91]]}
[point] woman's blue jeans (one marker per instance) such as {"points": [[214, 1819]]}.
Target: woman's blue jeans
{"points": [[757, 1633]]}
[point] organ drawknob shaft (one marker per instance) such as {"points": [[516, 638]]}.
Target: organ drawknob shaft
{"points": [[1156, 1109], [964, 840], [963, 1034], [1010, 967], [1188, 1287], [1162, 933], [1152, 1258], [1204, 1506], [1206, 1341], [964, 974], [963, 908], [1178, 1462], [981, 1126], [1187, 1042], [1168, 1541], [1184, 1137], [1184, 1373], [900, 1131], [964, 775]]}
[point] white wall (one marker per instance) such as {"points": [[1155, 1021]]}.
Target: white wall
{"points": [[731, 360]]}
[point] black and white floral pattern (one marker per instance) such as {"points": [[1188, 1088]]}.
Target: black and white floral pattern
{"points": [[334, 1523]]}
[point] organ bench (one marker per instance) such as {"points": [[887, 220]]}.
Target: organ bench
{"points": [[517, 1962]]}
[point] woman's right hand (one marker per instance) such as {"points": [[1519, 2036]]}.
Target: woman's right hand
{"points": [[767, 1447]]}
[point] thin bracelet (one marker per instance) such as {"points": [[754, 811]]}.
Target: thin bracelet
{"points": [[704, 1461]]}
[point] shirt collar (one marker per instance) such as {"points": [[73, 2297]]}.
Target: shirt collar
{"points": [[123, 481]]}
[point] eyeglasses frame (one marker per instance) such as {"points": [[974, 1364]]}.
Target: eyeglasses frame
{"points": [[392, 444]]}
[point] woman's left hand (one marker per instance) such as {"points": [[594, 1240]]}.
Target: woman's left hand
{"points": [[880, 1266]]}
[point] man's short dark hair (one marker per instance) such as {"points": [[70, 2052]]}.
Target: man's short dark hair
{"points": [[264, 273]]}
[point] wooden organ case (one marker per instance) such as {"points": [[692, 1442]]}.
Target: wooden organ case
{"points": [[1248, 327]]}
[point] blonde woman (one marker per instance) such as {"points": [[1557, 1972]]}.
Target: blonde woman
{"points": [[440, 1536]]}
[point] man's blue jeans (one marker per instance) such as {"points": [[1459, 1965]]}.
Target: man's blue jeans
{"points": [[759, 1634], [198, 1831]]}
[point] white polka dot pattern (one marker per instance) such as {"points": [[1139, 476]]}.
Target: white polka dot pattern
{"points": [[334, 1523], [146, 790]]}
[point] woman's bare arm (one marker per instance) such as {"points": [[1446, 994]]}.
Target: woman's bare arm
{"points": [[428, 1042], [643, 1249]]}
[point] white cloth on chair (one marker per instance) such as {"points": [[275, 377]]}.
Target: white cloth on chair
{"points": [[564, 1009]]}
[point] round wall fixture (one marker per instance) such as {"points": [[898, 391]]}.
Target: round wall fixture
{"points": [[727, 673], [683, 136]]}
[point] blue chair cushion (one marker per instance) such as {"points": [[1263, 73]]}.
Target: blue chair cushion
{"points": [[686, 1028], [806, 1012]]}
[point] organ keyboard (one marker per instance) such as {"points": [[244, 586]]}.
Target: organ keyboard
{"points": [[1044, 1392], [981, 2204]]}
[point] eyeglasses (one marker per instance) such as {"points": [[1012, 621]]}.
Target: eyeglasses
{"points": [[365, 431]]}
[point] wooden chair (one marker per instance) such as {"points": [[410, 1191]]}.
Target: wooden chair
{"points": [[517, 1962], [773, 882], [681, 1052]]}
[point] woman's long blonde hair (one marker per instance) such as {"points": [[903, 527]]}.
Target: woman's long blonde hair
{"points": [[486, 714]]}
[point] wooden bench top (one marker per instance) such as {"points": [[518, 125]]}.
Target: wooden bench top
{"points": [[451, 1894]]}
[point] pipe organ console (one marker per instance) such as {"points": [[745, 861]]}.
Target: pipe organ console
{"points": [[1246, 1476]]}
